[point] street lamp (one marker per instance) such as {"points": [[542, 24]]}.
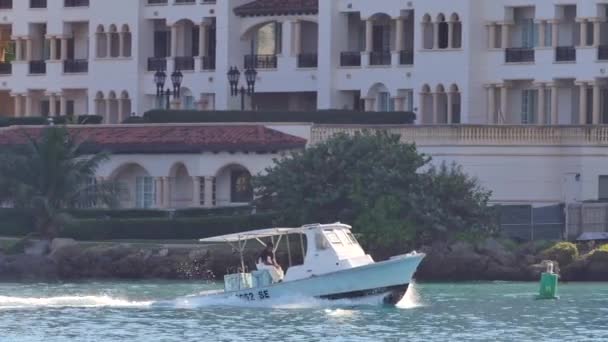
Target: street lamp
{"points": [[176, 79], [234, 76]]}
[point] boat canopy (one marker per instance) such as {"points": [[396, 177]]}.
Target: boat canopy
{"points": [[270, 232]]}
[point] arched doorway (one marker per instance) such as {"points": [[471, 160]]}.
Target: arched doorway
{"points": [[181, 187], [233, 183], [137, 187]]}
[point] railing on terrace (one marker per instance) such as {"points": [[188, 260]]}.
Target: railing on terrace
{"points": [[184, 63], [74, 66], [6, 4], [380, 58], [350, 58], [208, 62], [261, 61], [6, 68], [308, 60], [406, 57], [565, 54], [519, 55], [479, 134], [157, 63], [602, 52], [76, 3]]}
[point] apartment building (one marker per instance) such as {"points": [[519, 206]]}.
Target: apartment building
{"points": [[459, 61]]}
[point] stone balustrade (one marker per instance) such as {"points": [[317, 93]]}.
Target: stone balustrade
{"points": [[481, 135]]}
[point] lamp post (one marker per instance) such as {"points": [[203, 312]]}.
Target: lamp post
{"points": [[176, 79], [234, 76]]}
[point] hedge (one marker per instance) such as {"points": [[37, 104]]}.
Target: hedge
{"points": [[318, 117], [41, 120], [156, 213]]}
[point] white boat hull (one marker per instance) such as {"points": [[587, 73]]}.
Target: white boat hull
{"points": [[388, 280]]}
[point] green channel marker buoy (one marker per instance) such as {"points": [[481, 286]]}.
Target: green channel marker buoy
{"points": [[548, 284]]}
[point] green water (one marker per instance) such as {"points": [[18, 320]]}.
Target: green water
{"points": [[115, 311]]}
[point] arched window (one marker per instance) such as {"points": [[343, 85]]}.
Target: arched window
{"points": [[114, 41], [443, 35], [456, 27], [426, 105], [454, 111], [124, 106], [441, 110], [100, 104], [125, 41], [101, 43], [428, 34]]}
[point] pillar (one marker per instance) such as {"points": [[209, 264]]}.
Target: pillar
{"points": [[505, 36], [504, 105], [596, 103], [158, 192], [554, 33], [450, 34], [541, 33], [196, 192], [174, 41], [18, 49], [121, 44], [28, 49], [597, 25], [64, 49], [450, 98], [53, 44], [369, 26], [491, 104], [28, 105], [435, 35], [435, 108], [166, 192], [120, 110], [208, 200], [554, 108], [582, 103], [63, 108], [583, 32], [18, 109], [297, 37], [399, 34], [108, 44], [202, 40], [492, 36], [52, 107], [541, 104]]}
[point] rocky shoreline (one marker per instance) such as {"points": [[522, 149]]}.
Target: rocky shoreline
{"points": [[67, 260]]}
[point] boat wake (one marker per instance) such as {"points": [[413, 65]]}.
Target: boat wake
{"points": [[7, 303]]}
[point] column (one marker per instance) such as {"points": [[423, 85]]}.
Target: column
{"points": [[582, 103], [596, 103], [505, 36], [541, 104], [399, 34], [554, 33], [121, 44], [64, 49], [369, 27], [297, 37], [435, 35], [18, 49], [202, 40], [491, 104], [208, 200], [174, 41], [435, 108], [450, 34], [28, 49], [597, 25], [196, 192], [504, 105], [450, 98], [63, 108], [28, 105], [166, 192], [52, 105], [554, 108], [53, 44], [108, 44], [120, 110], [541, 33], [583, 32], [18, 109], [492, 36], [158, 193]]}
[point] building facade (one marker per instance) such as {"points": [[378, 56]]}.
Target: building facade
{"points": [[459, 61]]}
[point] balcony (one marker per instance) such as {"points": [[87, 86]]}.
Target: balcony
{"points": [[308, 60], [185, 2], [519, 55], [208, 63], [76, 66], [6, 68], [184, 63], [157, 63], [406, 57], [261, 61], [76, 3], [157, 2], [565, 54], [380, 58], [6, 4], [350, 59], [38, 4], [37, 67], [602, 53]]}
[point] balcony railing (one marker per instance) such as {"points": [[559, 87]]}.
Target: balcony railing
{"points": [[261, 61], [565, 54], [350, 59], [157, 63], [208, 63], [519, 55], [75, 66], [157, 2], [184, 63], [38, 4], [6, 4], [406, 57], [380, 58], [76, 3], [308, 60], [37, 67], [602, 52], [6, 68]]}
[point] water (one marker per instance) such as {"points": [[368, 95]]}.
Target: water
{"points": [[148, 311]]}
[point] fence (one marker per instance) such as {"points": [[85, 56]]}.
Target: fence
{"points": [[526, 223], [586, 218]]}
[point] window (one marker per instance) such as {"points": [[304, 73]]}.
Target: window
{"points": [[145, 192], [241, 190], [384, 102], [548, 34], [528, 33], [528, 106], [321, 242], [408, 104], [332, 237], [603, 188], [201, 199]]}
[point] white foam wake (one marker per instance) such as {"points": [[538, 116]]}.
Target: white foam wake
{"points": [[412, 299], [68, 301]]}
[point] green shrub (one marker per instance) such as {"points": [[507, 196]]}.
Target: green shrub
{"points": [[117, 214], [23, 121], [15, 222], [563, 252], [319, 117], [80, 119], [603, 248]]}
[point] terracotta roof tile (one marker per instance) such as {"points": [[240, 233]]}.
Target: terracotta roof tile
{"points": [[168, 138], [277, 7]]}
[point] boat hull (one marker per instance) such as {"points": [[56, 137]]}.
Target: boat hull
{"points": [[388, 280]]}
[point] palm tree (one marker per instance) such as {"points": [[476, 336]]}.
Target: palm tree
{"points": [[50, 174]]}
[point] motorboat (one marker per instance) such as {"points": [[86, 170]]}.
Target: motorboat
{"points": [[334, 267]]}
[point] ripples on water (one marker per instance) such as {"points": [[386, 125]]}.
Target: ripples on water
{"points": [[431, 312]]}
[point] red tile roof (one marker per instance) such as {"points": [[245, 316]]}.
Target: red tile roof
{"points": [[168, 138], [278, 7]]}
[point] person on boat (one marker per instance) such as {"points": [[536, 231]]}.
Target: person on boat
{"points": [[267, 261]]}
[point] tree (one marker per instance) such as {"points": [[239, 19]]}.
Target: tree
{"points": [[378, 184], [50, 174]]}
